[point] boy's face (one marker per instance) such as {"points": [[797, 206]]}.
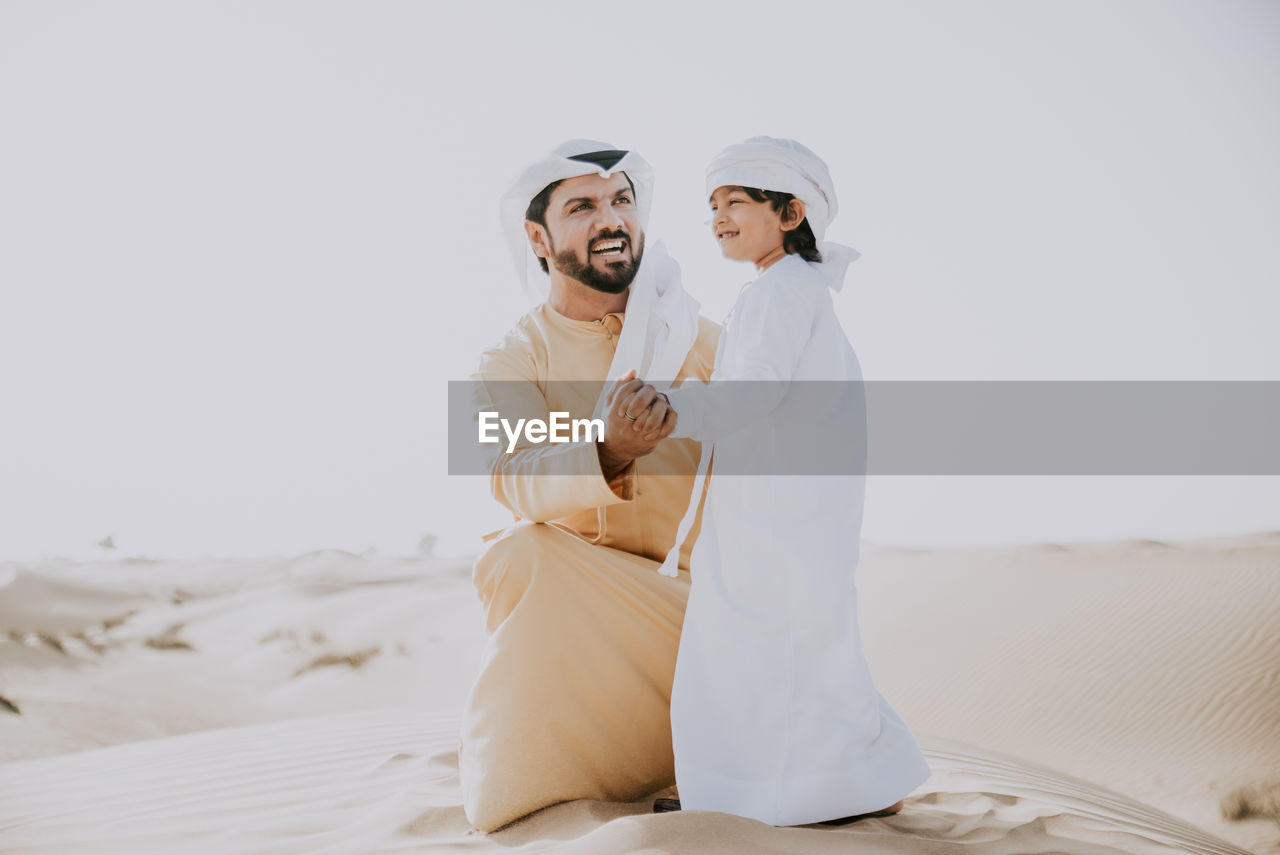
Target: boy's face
{"points": [[746, 230]]}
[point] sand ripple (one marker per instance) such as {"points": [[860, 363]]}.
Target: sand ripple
{"points": [[386, 781]]}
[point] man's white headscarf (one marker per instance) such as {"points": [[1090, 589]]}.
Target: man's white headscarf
{"points": [[661, 318], [768, 163]]}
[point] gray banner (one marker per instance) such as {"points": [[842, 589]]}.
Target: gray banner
{"points": [[929, 427]]}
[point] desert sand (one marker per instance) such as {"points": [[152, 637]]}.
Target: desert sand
{"points": [[1090, 699]]}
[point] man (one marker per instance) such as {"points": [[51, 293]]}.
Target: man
{"points": [[573, 696]]}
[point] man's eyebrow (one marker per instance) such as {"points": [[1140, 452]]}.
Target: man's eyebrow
{"points": [[624, 191]]}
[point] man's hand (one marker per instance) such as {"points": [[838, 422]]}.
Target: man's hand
{"points": [[647, 410], [639, 417]]}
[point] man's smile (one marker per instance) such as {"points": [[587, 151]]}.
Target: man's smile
{"points": [[609, 247]]}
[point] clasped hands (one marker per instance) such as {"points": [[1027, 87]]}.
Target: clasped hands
{"points": [[639, 418]]}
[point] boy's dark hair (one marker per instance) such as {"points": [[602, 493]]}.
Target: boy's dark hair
{"points": [[800, 240], [537, 210]]}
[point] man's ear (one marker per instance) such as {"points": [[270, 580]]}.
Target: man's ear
{"points": [[793, 215], [537, 239]]}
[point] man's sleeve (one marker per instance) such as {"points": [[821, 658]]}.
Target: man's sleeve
{"points": [[539, 481]]}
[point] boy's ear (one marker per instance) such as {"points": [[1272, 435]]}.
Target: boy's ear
{"points": [[537, 239], [792, 215]]}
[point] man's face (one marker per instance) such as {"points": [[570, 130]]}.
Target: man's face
{"points": [[593, 232]]}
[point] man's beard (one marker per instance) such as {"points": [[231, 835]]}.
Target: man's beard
{"points": [[619, 275]]}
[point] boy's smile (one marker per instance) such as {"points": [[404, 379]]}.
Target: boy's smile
{"points": [[746, 230]]}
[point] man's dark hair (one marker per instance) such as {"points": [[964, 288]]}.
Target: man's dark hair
{"points": [[537, 210], [800, 240]]}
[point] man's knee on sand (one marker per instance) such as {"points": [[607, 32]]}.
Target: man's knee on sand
{"points": [[507, 766]]}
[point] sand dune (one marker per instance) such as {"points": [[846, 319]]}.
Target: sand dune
{"points": [[1083, 699], [256, 634], [1151, 669], [386, 781]]}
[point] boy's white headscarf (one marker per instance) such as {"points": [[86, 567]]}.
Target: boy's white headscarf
{"points": [[768, 163], [661, 318]]}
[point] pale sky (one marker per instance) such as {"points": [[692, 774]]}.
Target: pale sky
{"points": [[244, 245]]}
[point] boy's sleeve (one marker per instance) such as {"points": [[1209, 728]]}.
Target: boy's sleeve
{"points": [[771, 324]]}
